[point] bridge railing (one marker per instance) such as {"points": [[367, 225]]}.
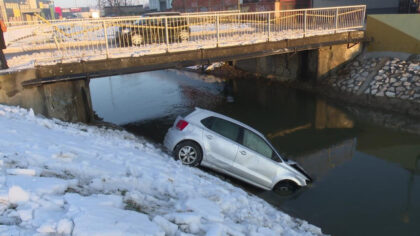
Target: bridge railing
{"points": [[136, 36]]}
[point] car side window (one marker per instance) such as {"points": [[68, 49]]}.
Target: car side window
{"points": [[207, 122], [257, 144], [223, 127]]}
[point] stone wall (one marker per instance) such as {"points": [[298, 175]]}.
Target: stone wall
{"points": [[380, 77]]}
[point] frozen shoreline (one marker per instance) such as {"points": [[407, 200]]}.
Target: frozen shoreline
{"points": [[73, 179]]}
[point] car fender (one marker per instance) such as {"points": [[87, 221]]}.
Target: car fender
{"points": [[195, 135], [300, 181]]}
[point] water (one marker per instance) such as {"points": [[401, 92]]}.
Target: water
{"points": [[367, 177]]}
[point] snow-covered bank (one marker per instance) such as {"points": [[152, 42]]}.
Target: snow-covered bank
{"points": [[70, 179]]}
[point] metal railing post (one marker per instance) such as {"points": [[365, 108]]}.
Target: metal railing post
{"points": [[304, 22], [218, 29], [166, 34], [106, 38], [336, 20], [269, 26]]}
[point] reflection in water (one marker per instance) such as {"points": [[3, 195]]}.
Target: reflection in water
{"points": [[367, 177], [329, 117]]}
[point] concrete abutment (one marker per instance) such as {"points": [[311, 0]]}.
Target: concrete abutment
{"points": [[66, 100], [303, 65]]}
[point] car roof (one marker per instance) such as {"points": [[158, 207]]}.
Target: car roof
{"points": [[162, 14], [208, 113]]}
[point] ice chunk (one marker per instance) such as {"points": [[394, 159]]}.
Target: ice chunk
{"points": [[65, 227], [30, 172], [17, 194], [169, 228]]}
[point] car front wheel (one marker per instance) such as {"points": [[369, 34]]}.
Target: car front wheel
{"points": [[184, 35], [285, 187], [136, 39], [189, 153]]}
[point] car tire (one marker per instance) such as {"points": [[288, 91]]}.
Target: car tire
{"points": [[189, 153], [184, 35], [285, 187], [137, 39]]}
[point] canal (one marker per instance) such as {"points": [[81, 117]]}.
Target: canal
{"points": [[367, 176]]}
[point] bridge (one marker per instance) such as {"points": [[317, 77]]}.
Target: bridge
{"points": [[48, 52]]}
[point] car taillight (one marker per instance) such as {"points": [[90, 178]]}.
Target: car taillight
{"points": [[181, 124]]}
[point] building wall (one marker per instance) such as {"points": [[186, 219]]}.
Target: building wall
{"points": [[155, 4], [204, 5], [371, 4], [394, 33]]}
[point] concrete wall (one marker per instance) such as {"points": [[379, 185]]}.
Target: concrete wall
{"points": [[330, 58], [281, 67], [305, 65], [67, 101], [394, 33]]}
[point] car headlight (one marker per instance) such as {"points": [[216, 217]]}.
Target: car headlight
{"points": [[125, 31]]}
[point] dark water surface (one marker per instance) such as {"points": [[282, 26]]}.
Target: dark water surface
{"points": [[367, 177]]}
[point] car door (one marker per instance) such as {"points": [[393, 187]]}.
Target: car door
{"points": [[220, 142], [254, 159]]}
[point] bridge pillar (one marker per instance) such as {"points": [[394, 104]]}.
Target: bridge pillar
{"points": [[67, 101]]}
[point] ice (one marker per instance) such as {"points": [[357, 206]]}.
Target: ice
{"points": [[30, 172], [17, 194], [60, 178]]}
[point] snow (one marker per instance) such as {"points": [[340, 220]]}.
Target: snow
{"points": [[60, 178]]}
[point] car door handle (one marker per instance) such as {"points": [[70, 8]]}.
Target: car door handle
{"points": [[243, 153], [209, 136]]}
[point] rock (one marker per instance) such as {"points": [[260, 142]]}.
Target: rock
{"points": [[400, 89], [380, 94], [407, 84], [397, 84], [390, 94], [403, 79], [374, 91], [378, 77], [393, 80], [391, 89], [356, 63], [373, 64], [365, 74], [404, 97]]}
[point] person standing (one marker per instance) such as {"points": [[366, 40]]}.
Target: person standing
{"points": [[3, 61]]}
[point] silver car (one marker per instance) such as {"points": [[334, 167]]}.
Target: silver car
{"points": [[216, 141]]}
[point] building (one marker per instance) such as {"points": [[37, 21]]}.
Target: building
{"points": [[244, 5], [372, 6], [124, 10], [274, 5], [24, 10], [160, 5], [205, 5]]}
